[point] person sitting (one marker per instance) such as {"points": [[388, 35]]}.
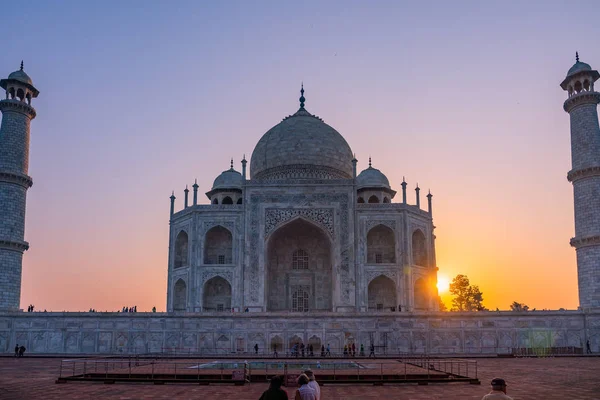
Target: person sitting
{"points": [[274, 392], [498, 391], [304, 392]]}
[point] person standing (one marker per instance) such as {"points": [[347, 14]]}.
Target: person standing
{"points": [[353, 350], [275, 350], [322, 350], [21, 351], [17, 350], [274, 392], [304, 392], [362, 350], [588, 347], [498, 391], [313, 384], [256, 348], [328, 352], [372, 351]]}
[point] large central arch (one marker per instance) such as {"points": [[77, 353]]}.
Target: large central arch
{"points": [[299, 264]]}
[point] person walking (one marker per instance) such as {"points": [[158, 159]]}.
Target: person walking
{"points": [[274, 392], [322, 350], [312, 383], [498, 390], [275, 350], [304, 392], [362, 350], [17, 350], [353, 350], [21, 351], [588, 347], [372, 351], [328, 352]]}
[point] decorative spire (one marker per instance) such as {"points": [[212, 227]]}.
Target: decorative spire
{"points": [[302, 99], [369, 161], [576, 58], [403, 180], [231, 165], [195, 186], [21, 65]]}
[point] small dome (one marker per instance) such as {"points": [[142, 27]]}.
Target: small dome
{"points": [[21, 76], [578, 67], [230, 179], [372, 178]]}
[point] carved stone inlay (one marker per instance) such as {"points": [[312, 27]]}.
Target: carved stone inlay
{"points": [[275, 217], [370, 275], [208, 275], [389, 223], [300, 172], [585, 241]]}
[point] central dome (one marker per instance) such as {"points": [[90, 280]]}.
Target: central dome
{"points": [[301, 146]]}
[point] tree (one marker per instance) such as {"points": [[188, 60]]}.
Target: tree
{"points": [[442, 306], [466, 297], [516, 306]]}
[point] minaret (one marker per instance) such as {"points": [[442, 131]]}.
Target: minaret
{"points": [[585, 176], [17, 114]]}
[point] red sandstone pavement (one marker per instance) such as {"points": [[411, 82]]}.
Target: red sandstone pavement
{"points": [[573, 378]]}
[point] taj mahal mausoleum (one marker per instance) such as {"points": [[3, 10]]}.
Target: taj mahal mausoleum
{"points": [[302, 247]]}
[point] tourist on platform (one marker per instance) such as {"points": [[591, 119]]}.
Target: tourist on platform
{"points": [[21, 351], [588, 347], [275, 350], [274, 392], [498, 391], [256, 348], [353, 350], [17, 350], [313, 383], [304, 392], [372, 351], [322, 350], [302, 349], [345, 350], [310, 351], [153, 309], [362, 350], [328, 352]]}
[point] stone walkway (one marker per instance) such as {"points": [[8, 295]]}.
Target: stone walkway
{"points": [[544, 378]]}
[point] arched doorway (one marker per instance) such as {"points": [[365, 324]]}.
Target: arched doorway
{"points": [[381, 245], [382, 294], [419, 249], [299, 271], [218, 246], [420, 293], [216, 295], [181, 250], [180, 296]]}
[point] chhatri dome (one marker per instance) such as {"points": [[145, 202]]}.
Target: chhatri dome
{"points": [[372, 178], [302, 145], [229, 179]]}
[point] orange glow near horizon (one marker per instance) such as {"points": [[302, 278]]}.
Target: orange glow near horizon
{"points": [[443, 283]]}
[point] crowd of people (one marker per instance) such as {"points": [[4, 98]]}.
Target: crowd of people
{"points": [[301, 350], [309, 389], [129, 309]]}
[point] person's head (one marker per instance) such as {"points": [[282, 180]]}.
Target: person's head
{"points": [[276, 382], [309, 373], [499, 384], [303, 380]]}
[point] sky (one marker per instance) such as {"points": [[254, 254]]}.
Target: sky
{"points": [[140, 98]]}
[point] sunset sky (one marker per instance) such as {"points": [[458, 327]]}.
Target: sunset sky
{"points": [[140, 98]]}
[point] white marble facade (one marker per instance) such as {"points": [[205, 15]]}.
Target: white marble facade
{"points": [[303, 233]]}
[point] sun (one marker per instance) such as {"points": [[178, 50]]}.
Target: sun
{"points": [[443, 284]]}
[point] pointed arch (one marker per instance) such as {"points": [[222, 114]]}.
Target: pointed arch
{"points": [[382, 294], [421, 295], [288, 288], [276, 343], [360, 199], [218, 246], [373, 199], [240, 201], [381, 245], [419, 248], [180, 295], [227, 200], [215, 201], [216, 294], [181, 250], [386, 199]]}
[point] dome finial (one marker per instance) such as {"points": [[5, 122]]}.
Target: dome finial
{"points": [[231, 164], [302, 99], [576, 57], [21, 65], [369, 161]]}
